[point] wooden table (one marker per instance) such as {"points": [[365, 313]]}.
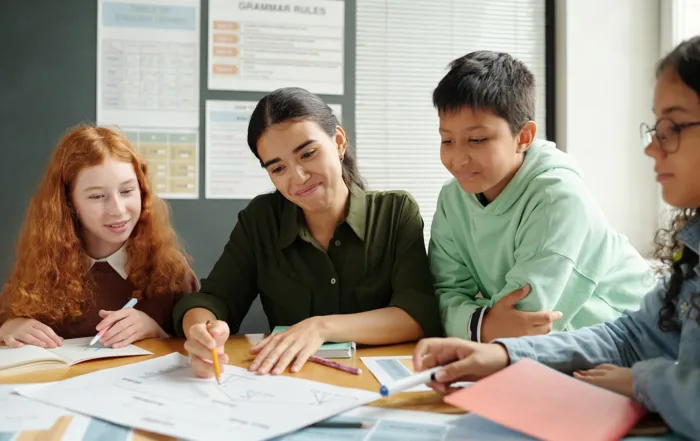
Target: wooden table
{"points": [[237, 350]]}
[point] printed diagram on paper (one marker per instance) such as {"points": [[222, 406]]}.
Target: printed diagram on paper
{"points": [[148, 85], [162, 395], [235, 388]]}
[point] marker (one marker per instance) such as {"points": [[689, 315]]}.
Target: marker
{"points": [[130, 304], [408, 382], [333, 364]]}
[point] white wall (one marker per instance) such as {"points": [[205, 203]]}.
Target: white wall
{"points": [[606, 52]]}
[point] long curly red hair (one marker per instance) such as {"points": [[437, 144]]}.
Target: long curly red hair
{"points": [[51, 281]]}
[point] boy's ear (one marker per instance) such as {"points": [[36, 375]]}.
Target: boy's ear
{"points": [[527, 136]]}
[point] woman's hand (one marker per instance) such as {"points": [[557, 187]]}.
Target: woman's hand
{"points": [[461, 360], [201, 341], [19, 331], [127, 326], [610, 377], [297, 343]]}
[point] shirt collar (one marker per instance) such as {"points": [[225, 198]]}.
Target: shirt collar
{"points": [[292, 219], [116, 261]]}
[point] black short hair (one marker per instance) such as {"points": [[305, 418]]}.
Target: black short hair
{"points": [[493, 81]]}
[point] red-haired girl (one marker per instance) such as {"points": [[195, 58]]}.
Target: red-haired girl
{"points": [[94, 237]]}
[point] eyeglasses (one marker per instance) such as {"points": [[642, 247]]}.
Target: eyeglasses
{"points": [[666, 133]]}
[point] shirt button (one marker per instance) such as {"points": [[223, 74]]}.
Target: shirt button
{"points": [[333, 281], [337, 243]]}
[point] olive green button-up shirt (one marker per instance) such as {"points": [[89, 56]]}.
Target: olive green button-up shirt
{"points": [[375, 259]]}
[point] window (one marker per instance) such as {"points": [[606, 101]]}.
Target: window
{"points": [[403, 49], [689, 18]]}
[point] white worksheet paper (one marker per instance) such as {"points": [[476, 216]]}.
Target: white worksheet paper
{"points": [[148, 63], [21, 413], [148, 85], [232, 171], [163, 396], [262, 46], [393, 368]]}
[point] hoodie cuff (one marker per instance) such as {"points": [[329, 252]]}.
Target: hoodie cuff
{"points": [[475, 322]]}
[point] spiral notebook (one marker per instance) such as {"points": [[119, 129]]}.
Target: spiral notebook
{"points": [[329, 350]]}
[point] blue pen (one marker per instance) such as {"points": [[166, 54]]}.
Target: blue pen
{"points": [[130, 304]]}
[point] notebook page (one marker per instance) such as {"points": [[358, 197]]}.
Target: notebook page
{"points": [[11, 357], [77, 350]]}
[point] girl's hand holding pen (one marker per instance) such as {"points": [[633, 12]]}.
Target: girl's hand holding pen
{"points": [[461, 360], [202, 341]]}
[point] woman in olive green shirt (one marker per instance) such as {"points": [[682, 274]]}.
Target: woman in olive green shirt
{"points": [[329, 259]]}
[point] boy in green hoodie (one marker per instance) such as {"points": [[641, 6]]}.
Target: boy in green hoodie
{"points": [[518, 244]]}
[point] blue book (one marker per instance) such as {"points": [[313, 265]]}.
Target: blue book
{"points": [[331, 349]]}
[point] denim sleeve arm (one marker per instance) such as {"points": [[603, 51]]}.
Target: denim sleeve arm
{"points": [[633, 337], [672, 390]]}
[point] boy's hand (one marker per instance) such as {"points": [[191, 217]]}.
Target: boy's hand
{"points": [[504, 321]]}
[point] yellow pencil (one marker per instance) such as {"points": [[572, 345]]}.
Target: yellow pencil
{"points": [[215, 358]]}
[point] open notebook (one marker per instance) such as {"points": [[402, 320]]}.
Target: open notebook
{"points": [[329, 350], [77, 350]]}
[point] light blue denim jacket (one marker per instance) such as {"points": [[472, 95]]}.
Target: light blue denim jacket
{"points": [[665, 365]]}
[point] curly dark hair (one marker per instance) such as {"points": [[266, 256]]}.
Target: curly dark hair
{"points": [[685, 61], [681, 261]]}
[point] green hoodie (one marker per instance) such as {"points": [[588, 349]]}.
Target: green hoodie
{"points": [[545, 229]]}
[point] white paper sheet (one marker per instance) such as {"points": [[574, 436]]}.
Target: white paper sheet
{"points": [[389, 369], [232, 171], [406, 425], [20, 413], [148, 84], [162, 395], [261, 46]]}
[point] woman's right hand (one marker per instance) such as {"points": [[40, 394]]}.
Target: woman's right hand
{"points": [[201, 341], [461, 360], [19, 331]]}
